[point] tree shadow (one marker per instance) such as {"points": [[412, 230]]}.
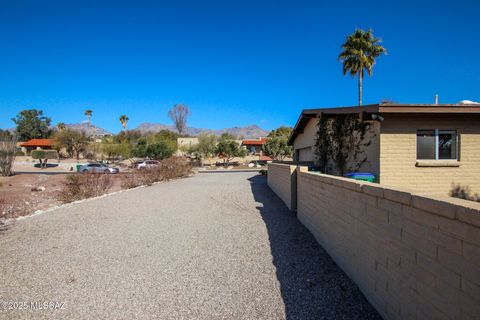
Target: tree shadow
{"points": [[48, 173], [49, 165], [312, 285]]}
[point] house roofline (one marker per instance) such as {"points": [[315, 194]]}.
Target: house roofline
{"points": [[400, 108]]}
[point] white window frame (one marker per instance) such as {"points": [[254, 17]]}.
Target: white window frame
{"points": [[437, 132]]}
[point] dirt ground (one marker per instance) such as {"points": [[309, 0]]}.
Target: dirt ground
{"points": [[17, 197], [24, 164]]}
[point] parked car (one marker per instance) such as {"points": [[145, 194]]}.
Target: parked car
{"points": [[98, 168], [147, 164]]}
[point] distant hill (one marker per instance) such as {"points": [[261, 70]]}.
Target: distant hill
{"points": [[251, 131], [247, 132], [91, 131]]}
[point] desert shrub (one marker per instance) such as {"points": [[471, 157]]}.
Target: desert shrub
{"points": [[7, 153], [175, 167], [171, 168], [263, 172], [2, 206], [86, 185], [463, 192], [131, 180], [141, 178]]}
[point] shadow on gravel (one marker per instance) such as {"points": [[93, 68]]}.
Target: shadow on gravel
{"points": [[41, 172], [312, 285]]}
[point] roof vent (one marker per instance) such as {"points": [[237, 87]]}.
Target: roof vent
{"points": [[436, 99], [468, 102]]}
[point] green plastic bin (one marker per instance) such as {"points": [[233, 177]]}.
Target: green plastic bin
{"points": [[363, 176]]}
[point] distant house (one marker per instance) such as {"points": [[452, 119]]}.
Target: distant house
{"points": [[254, 146], [425, 147], [34, 144], [187, 142]]}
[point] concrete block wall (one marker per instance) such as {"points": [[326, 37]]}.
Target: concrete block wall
{"points": [[282, 180], [413, 257]]}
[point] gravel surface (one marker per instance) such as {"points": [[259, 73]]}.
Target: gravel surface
{"points": [[213, 246]]}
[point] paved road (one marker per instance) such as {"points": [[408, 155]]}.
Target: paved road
{"points": [[214, 246]]}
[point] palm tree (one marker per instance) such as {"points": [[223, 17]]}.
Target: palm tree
{"points": [[61, 126], [358, 54], [124, 119], [88, 113]]}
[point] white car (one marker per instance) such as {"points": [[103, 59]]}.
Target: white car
{"points": [[147, 164], [97, 168]]}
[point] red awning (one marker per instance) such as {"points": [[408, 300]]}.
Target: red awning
{"points": [[38, 143], [254, 142]]}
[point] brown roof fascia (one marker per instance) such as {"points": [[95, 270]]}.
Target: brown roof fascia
{"points": [[451, 109], [307, 114]]}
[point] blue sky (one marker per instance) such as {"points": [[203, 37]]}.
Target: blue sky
{"points": [[233, 62]]}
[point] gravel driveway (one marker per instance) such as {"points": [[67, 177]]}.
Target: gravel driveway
{"points": [[213, 246]]}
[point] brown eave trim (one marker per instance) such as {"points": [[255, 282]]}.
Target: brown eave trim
{"points": [[418, 109]]}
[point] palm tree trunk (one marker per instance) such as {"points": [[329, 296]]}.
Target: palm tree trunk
{"points": [[360, 80]]}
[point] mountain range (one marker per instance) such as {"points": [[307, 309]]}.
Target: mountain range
{"points": [[251, 131], [247, 132], [90, 130]]}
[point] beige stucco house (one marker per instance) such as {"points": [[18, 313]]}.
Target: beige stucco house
{"points": [[424, 147]]}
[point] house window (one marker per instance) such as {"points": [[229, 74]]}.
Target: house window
{"points": [[436, 144]]}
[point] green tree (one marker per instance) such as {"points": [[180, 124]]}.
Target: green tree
{"points": [[43, 156], [228, 149], [75, 142], [32, 124], [128, 136], [206, 147], [123, 120], [358, 55], [282, 131], [159, 151], [116, 150], [277, 148], [168, 137], [140, 149], [227, 136], [88, 113], [277, 145]]}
